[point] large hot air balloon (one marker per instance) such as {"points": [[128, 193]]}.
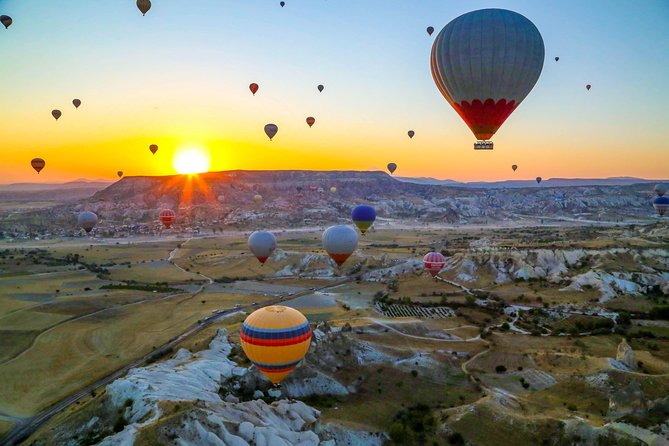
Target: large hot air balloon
{"points": [[321, 88], [87, 220], [588, 87], [514, 167], [538, 180], [262, 244], [167, 217], [430, 30], [153, 148], [333, 189], [271, 130], [363, 216], [275, 339], [6, 20], [661, 205], [56, 114], [76, 103], [254, 88], [434, 262], [311, 120], [411, 133], [340, 241], [485, 63], [144, 6], [392, 167], [38, 164], [661, 189], [119, 173], [257, 198]]}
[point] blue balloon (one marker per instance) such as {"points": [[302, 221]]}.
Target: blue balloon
{"points": [[363, 216]]}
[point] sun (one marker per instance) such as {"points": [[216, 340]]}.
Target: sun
{"points": [[191, 160]]}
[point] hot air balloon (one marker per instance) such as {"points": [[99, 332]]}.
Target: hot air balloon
{"points": [[262, 244], [311, 120], [282, 4], [38, 164], [340, 241], [144, 6], [661, 189], [321, 88], [6, 20], [538, 180], [485, 63], [411, 133], [363, 216], [56, 114], [257, 198], [588, 87], [661, 205], [275, 339], [434, 262], [430, 30], [254, 88], [556, 59], [514, 167], [76, 103], [392, 167], [87, 220], [271, 130], [333, 189], [153, 148], [119, 173], [167, 217]]}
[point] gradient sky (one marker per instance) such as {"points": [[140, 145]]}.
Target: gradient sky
{"points": [[179, 77]]}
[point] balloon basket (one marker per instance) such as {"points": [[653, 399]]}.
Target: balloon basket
{"points": [[483, 145]]}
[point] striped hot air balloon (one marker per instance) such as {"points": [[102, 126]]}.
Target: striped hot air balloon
{"points": [[485, 63], [434, 262], [275, 339], [661, 205], [38, 164], [167, 217], [363, 216]]}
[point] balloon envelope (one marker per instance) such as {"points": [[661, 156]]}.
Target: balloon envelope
{"points": [[333, 189], [392, 167], [6, 20], [56, 114], [661, 205], [340, 241], [485, 63], [538, 180], [144, 6], [119, 173], [411, 133], [38, 164], [588, 87], [254, 88], [275, 339], [430, 30], [282, 4], [257, 198], [363, 216], [514, 167], [434, 262], [556, 59], [661, 189], [153, 148], [167, 217], [76, 103], [271, 130], [321, 88], [262, 244], [311, 120], [87, 220]]}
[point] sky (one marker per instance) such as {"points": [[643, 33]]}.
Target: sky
{"points": [[178, 77]]}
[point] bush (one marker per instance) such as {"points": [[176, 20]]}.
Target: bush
{"points": [[500, 369]]}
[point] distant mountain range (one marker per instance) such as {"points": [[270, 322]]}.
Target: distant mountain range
{"points": [[76, 184], [550, 182]]}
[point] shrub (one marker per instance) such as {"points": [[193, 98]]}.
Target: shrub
{"points": [[500, 369]]}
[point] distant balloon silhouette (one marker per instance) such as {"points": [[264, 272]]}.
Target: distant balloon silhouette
{"points": [[311, 120], [321, 88], [6, 20], [434, 262], [167, 217], [254, 88], [661, 189], [153, 148], [538, 180], [556, 59], [120, 174], [271, 130], [76, 103], [430, 30], [661, 205], [588, 87], [333, 189], [392, 167], [514, 167], [282, 4], [144, 6], [38, 164], [411, 133], [257, 198], [56, 114], [262, 244], [87, 220]]}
